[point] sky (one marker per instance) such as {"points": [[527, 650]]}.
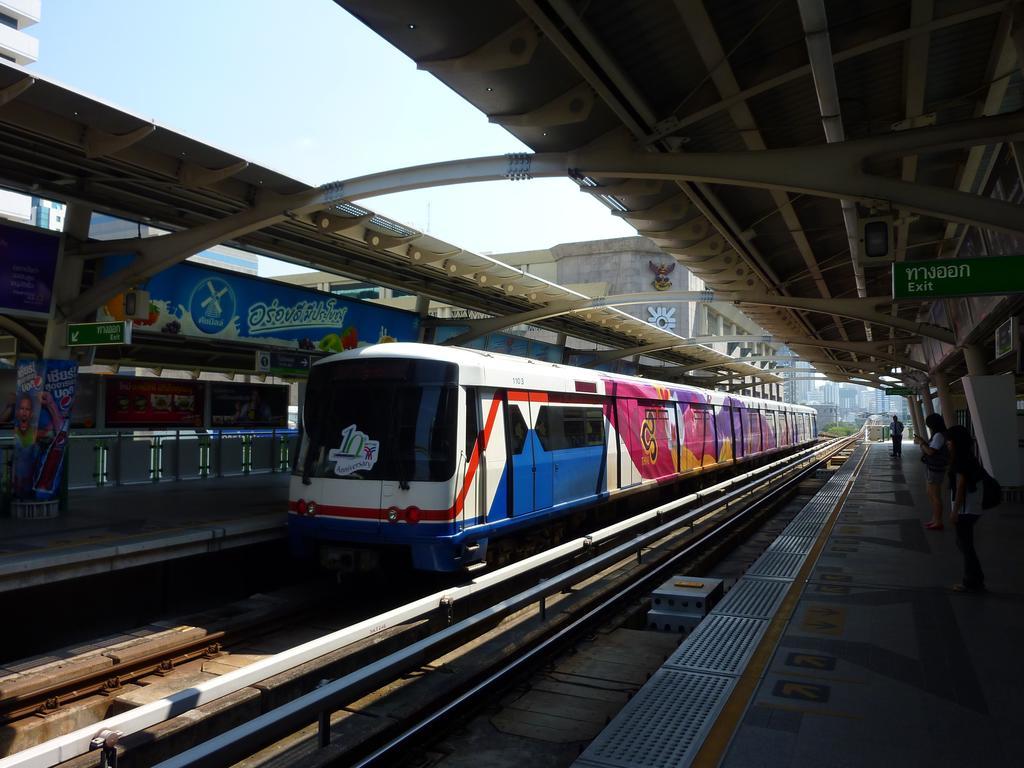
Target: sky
{"points": [[303, 88]]}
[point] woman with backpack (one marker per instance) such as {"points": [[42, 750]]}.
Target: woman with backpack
{"points": [[966, 492], [935, 455]]}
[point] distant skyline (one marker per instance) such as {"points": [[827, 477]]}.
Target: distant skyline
{"points": [[305, 89]]}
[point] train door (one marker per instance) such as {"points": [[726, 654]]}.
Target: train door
{"points": [[543, 459], [574, 437], [738, 440], [628, 422], [519, 445]]}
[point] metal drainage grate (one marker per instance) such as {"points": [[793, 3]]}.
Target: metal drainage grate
{"points": [[721, 644], [756, 598], [776, 565], [663, 724], [799, 545]]}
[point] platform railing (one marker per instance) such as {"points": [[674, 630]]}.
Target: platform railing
{"points": [[96, 459]]}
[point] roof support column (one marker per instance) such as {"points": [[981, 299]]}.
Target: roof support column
{"points": [[945, 399], [1017, 32], [68, 284], [423, 310], [926, 400], [914, 406], [977, 364]]}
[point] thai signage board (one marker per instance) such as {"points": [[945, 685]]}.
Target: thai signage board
{"points": [[995, 275], [99, 334], [28, 266], [895, 391], [207, 303], [284, 364]]}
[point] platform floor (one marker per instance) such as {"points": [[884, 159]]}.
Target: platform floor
{"points": [[120, 527], [871, 658]]}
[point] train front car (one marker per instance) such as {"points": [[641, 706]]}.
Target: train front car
{"points": [[376, 468]]}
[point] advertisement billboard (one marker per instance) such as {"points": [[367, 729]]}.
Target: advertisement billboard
{"points": [[248, 405], [203, 302], [43, 399], [167, 403], [28, 265]]}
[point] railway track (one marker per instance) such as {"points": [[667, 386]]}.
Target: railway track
{"points": [[438, 629]]}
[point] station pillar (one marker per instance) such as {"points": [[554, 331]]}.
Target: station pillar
{"points": [[992, 403], [945, 399], [917, 416], [926, 400], [423, 310], [68, 284], [977, 364]]}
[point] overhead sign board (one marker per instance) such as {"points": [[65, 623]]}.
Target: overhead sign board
{"points": [[99, 334], [294, 364], [895, 391], [1006, 337], [995, 275]]}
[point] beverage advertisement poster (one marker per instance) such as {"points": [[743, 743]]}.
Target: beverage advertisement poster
{"points": [[28, 265], [43, 398], [208, 303], [169, 403], [248, 405]]}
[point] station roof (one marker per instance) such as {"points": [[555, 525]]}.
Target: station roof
{"points": [[63, 145], [737, 77]]}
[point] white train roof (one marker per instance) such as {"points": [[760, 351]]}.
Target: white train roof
{"points": [[483, 368]]}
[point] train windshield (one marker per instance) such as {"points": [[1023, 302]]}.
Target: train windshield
{"points": [[380, 419]]}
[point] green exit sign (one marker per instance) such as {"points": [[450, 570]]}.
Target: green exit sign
{"points": [[99, 334], [996, 275], [899, 391]]}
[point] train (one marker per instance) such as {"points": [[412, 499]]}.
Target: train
{"points": [[435, 453]]}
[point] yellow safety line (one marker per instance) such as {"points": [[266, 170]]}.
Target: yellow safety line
{"points": [[713, 749]]}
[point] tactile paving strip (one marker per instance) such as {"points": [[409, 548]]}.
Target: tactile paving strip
{"points": [[661, 729], [720, 644], [776, 565], [796, 545], [666, 722], [755, 598], [802, 529]]}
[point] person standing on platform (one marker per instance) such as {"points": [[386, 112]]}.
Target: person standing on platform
{"points": [[896, 431], [965, 491], [935, 455]]}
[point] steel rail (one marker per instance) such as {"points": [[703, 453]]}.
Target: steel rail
{"points": [[80, 741], [240, 742], [577, 627]]}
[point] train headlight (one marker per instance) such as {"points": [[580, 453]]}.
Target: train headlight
{"points": [[392, 514], [300, 506], [311, 508]]}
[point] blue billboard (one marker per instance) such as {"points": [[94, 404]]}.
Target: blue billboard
{"points": [[28, 265], [204, 302]]}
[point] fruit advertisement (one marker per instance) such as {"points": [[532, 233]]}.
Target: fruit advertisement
{"points": [[154, 403], [204, 302]]}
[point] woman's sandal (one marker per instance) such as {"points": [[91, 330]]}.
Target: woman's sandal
{"points": [[933, 526]]}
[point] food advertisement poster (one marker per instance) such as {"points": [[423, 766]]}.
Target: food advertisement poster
{"points": [[43, 398], [166, 403], [203, 302], [248, 405]]}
